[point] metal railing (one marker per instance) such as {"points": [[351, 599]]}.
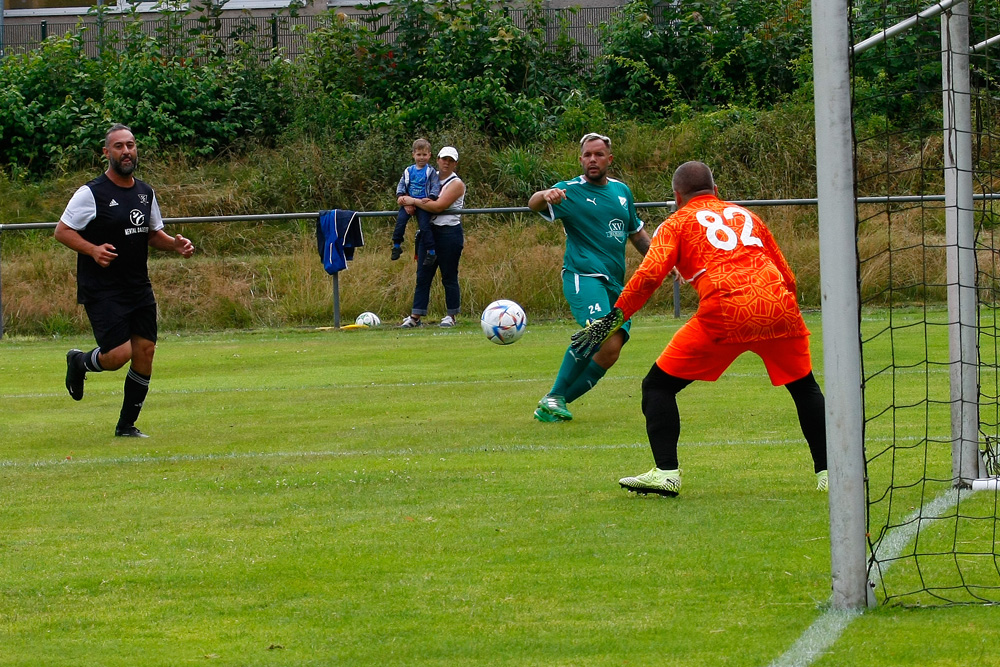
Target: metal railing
{"points": [[312, 215]]}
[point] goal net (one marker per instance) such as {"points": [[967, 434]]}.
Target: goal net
{"points": [[926, 114]]}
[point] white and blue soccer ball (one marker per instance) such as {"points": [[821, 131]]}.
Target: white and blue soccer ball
{"points": [[503, 322], [368, 319]]}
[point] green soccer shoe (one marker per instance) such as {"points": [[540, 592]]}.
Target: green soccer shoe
{"points": [[660, 482]]}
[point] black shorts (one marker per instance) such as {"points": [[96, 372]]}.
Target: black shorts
{"points": [[116, 320]]}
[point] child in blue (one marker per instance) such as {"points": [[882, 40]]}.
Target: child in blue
{"points": [[420, 181]]}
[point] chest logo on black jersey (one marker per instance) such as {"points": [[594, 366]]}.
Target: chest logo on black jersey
{"points": [[113, 203], [136, 217], [143, 199]]}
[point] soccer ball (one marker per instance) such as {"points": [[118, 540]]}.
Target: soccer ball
{"points": [[368, 319], [503, 322]]}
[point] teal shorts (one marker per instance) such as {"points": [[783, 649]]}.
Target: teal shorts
{"points": [[590, 298]]}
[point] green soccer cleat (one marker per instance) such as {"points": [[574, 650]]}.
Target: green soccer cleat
{"points": [[822, 481], [660, 482], [546, 417], [553, 405]]}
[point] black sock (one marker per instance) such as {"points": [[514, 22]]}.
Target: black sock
{"points": [[811, 408], [90, 362], [663, 420], [136, 387]]}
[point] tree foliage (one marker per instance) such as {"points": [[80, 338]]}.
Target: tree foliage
{"points": [[418, 67], [661, 58], [431, 64]]}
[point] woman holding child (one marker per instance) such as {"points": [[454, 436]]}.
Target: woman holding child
{"points": [[448, 240]]}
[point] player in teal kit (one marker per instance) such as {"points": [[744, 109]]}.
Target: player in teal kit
{"points": [[598, 216]]}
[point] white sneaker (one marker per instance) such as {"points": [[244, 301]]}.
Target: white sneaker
{"points": [[411, 323], [447, 321], [660, 482]]}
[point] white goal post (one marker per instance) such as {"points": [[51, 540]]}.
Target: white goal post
{"points": [[960, 225], [839, 294], [839, 274]]}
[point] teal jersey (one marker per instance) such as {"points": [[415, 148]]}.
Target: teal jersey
{"points": [[598, 221]]}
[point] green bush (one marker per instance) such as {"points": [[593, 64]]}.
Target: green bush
{"points": [[48, 104], [58, 101], [702, 54], [447, 62], [413, 68]]}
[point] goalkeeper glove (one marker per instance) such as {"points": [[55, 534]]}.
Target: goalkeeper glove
{"points": [[589, 339]]}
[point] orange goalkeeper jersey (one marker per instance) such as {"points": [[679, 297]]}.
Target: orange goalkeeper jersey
{"points": [[745, 288]]}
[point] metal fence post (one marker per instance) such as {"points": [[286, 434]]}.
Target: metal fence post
{"points": [[336, 300], [677, 283], [1, 287], [274, 31], [45, 30]]}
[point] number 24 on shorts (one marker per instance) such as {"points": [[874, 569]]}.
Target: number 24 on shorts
{"points": [[714, 225]]}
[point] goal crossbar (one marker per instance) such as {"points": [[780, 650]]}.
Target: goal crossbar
{"points": [[903, 26]]}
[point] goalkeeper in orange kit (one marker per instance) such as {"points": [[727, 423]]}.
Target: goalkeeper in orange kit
{"points": [[747, 303]]}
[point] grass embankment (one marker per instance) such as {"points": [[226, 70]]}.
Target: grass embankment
{"points": [[250, 275]]}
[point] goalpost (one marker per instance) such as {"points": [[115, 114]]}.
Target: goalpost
{"points": [[838, 284], [892, 448]]}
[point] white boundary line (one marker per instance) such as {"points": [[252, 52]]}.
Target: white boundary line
{"points": [[361, 453], [826, 629], [333, 453], [377, 385], [347, 386]]}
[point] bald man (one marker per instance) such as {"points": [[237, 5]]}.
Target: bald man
{"points": [[747, 303], [111, 222]]}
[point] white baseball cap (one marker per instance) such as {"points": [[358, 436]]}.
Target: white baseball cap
{"points": [[449, 151]]}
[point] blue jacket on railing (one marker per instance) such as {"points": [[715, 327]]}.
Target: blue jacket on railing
{"points": [[338, 233]]}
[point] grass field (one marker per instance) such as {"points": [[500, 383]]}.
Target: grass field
{"points": [[384, 497]]}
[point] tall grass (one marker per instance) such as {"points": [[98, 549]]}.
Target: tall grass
{"points": [[268, 274], [516, 258]]}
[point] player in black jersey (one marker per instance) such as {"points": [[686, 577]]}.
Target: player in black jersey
{"points": [[111, 222]]}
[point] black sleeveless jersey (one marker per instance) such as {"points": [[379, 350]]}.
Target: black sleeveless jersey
{"points": [[124, 218]]}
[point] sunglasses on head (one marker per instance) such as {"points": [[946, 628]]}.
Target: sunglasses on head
{"points": [[590, 136]]}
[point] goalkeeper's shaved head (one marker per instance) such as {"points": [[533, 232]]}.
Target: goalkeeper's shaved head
{"points": [[693, 178]]}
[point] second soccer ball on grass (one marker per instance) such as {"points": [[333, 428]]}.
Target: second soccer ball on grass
{"points": [[503, 322], [368, 319]]}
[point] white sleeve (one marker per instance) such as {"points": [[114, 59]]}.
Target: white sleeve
{"points": [[155, 218], [548, 215], [80, 210]]}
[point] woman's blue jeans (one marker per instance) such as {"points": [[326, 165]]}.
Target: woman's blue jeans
{"points": [[448, 242]]}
